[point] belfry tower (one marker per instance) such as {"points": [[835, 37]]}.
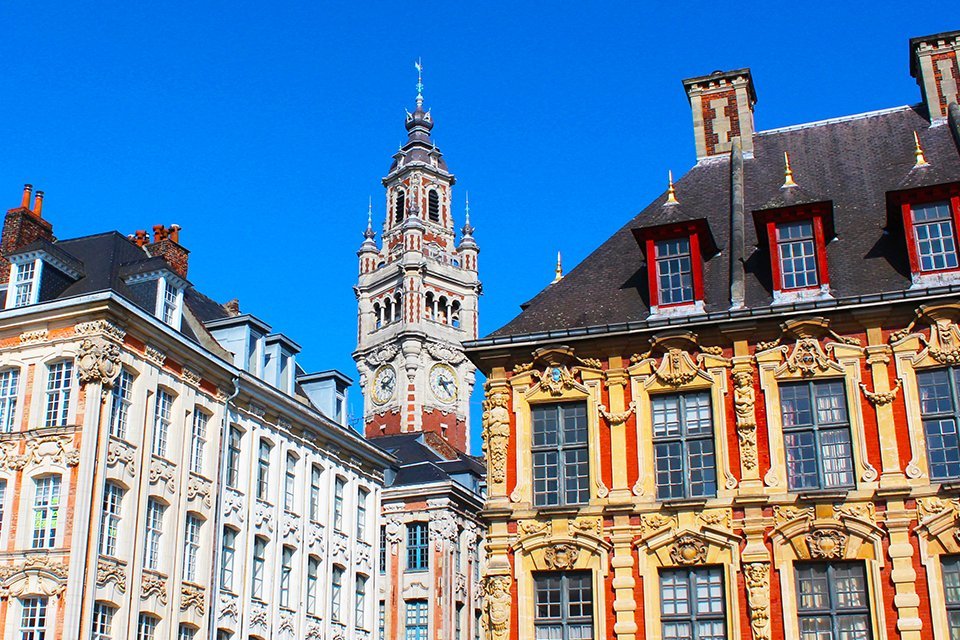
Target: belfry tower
{"points": [[417, 299]]}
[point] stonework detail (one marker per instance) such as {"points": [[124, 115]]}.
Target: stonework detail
{"points": [[154, 355], [881, 398], [756, 575], [192, 595], [808, 358], [689, 550], [123, 454], [98, 361], [109, 570], [154, 585], [104, 327], [826, 544], [744, 401], [496, 606], [163, 473], [496, 435], [561, 556], [33, 337], [199, 489]]}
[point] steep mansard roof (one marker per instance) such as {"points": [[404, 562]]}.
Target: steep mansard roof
{"points": [[851, 162]]}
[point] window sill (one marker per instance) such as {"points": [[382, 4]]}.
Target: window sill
{"points": [[675, 310], [684, 503], [928, 279], [423, 570], [819, 495], [790, 296], [559, 510]]}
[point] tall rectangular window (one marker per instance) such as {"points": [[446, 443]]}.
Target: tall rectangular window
{"points": [[951, 592], [191, 547], [162, 417], [832, 601], [564, 605], [418, 546], [417, 620], [692, 603], [336, 594], [102, 627], [339, 487], [934, 236], [46, 508], [186, 633], [313, 584], [9, 387], [3, 501], [561, 472], [458, 623], [796, 250], [286, 575], [110, 518], [120, 398], [382, 618], [683, 445], [233, 457], [290, 483], [59, 375], [33, 619], [938, 408], [151, 544], [360, 603], [816, 432], [168, 310], [362, 513], [147, 627], [228, 553], [198, 440], [383, 549], [315, 499], [259, 566], [674, 272], [263, 470], [25, 284]]}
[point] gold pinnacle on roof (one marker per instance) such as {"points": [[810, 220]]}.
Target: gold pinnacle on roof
{"points": [[787, 172], [558, 274], [918, 152], [671, 192]]}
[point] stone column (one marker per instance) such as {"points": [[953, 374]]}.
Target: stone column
{"points": [[904, 576]]}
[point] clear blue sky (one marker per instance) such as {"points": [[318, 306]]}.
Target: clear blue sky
{"points": [[261, 128]]}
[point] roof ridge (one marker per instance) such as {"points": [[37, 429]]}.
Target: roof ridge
{"points": [[829, 121]]}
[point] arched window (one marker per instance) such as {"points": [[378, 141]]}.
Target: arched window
{"points": [[443, 313], [428, 305], [433, 205], [397, 307], [401, 206], [377, 315], [455, 315]]}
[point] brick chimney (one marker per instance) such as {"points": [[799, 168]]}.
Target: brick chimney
{"points": [[933, 62], [722, 105], [166, 244], [22, 226]]}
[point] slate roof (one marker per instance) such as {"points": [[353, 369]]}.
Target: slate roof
{"points": [[852, 162], [421, 464]]}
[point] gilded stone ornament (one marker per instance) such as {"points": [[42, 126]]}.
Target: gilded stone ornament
{"points": [[533, 527], [104, 327], [153, 585], [744, 404], [689, 550], [192, 595], [881, 398], [496, 606], [933, 506], [756, 575], [593, 526], [676, 368], [556, 379], [496, 435], [592, 363], [650, 522], [865, 511], [786, 513], [98, 361], [561, 556], [109, 570], [615, 418], [808, 358], [826, 544], [944, 343], [716, 518]]}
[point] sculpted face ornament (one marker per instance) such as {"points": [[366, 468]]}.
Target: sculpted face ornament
{"points": [[561, 556]]}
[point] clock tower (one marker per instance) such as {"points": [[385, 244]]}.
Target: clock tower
{"points": [[417, 299]]}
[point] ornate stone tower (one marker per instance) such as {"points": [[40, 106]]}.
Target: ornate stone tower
{"points": [[417, 297]]}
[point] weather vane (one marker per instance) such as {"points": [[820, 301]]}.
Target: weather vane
{"points": [[418, 65]]}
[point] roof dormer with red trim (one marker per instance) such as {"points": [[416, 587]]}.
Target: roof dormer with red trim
{"points": [[931, 217], [797, 239], [675, 254]]}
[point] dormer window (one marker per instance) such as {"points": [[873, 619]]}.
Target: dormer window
{"points": [[798, 250], [797, 254], [169, 301], [24, 288], [674, 273], [675, 255], [931, 217]]}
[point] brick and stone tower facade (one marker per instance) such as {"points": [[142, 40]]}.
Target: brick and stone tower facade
{"points": [[417, 298]]}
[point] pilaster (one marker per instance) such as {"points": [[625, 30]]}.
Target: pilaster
{"points": [[904, 576]]}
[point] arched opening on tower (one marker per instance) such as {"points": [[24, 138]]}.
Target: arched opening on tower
{"points": [[400, 207], [433, 205]]}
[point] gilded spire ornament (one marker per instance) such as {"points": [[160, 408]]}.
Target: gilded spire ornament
{"points": [[918, 152], [671, 192], [558, 273], [369, 233], [788, 180]]}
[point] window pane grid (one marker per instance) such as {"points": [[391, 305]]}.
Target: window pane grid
{"points": [[674, 273], [561, 469], [797, 254], [26, 276], [191, 549], [110, 519], [816, 432], [684, 446], [46, 508], [120, 404], [33, 619], [951, 592], [832, 601], [938, 409], [161, 423], [563, 605], [9, 386], [58, 393], [692, 604], [154, 527], [934, 236], [198, 441], [418, 546]]}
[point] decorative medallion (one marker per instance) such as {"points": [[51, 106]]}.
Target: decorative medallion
{"points": [[689, 550], [98, 361], [561, 556], [826, 544]]}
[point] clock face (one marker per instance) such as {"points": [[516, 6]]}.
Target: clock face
{"points": [[443, 382], [384, 383]]}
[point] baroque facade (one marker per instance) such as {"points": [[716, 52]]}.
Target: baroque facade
{"points": [[166, 469], [738, 417], [417, 303]]}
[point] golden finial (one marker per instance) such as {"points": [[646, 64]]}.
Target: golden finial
{"points": [[558, 276], [918, 152], [671, 192], [787, 172]]}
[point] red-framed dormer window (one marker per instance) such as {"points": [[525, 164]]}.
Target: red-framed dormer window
{"points": [[931, 217], [675, 262], [798, 246]]}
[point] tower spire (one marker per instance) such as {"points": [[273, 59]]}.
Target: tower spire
{"points": [[558, 273], [418, 65], [369, 233]]}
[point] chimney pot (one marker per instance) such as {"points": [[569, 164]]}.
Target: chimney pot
{"points": [[934, 63], [38, 204], [25, 201], [174, 233], [722, 105]]}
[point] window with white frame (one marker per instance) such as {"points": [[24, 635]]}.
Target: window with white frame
{"points": [[110, 518], [162, 418], [102, 628], [290, 483], [816, 433], [170, 304], [564, 605], [950, 566], [186, 632], [59, 377], [360, 603], [692, 603], [560, 464], [147, 627], [191, 547], [33, 619], [313, 584], [362, 513], [336, 594], [458, 623], [383, 549], [9, 387], [259, 567], [3, 502], [939, 411], [234, 439], [286, 575], [46, 509], [382, 618], [934, 236], [263, 470], [154, 532], [339, 487], [796, 250], [416, 620], [120, 399], [683, 445], [832, 601], [315, 495], [228, 553], [198, 440], [25, 284]]}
